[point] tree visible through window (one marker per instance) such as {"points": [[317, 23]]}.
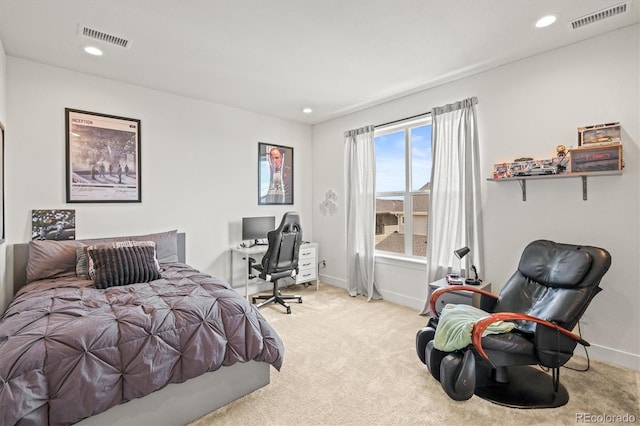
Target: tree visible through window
{"points": [[403, 183]]}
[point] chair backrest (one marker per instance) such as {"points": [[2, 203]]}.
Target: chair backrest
{"points": [[555, 282], [284, 245]]}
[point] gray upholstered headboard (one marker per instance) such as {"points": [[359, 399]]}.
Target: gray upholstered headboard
{"points": [[21, 255]]}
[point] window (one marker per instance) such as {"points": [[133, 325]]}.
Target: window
{"points": [[403, 182]]}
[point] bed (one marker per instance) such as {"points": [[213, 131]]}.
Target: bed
{"points": [[165, 350]]}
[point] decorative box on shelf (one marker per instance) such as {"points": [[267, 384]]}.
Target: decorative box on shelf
{"points": [[596, 158], [599, 134], [501, 171]]}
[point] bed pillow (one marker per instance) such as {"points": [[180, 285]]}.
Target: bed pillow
{"points": [[127, 264], [166, 248], [117, 244], [83, 262], [166, 243], [51, 259]]}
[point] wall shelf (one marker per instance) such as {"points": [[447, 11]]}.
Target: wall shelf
{"points": [[522, 180]]}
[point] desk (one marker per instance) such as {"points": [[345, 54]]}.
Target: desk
{"points": [[458, 297], [307, 263]]}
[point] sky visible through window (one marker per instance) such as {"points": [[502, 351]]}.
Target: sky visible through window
{"points": [[390, 160]]}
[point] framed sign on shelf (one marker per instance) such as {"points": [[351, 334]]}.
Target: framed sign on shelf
{"points": [[275, 174], [103, 158]]}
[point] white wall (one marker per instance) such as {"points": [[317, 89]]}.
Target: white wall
{"points": [[526, 108], [199, 162]]}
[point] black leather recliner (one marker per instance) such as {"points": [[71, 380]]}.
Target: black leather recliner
{"points": [[545, 297], [281, 259]]}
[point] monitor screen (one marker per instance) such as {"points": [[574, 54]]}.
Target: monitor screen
{"points": [[256, 228]]}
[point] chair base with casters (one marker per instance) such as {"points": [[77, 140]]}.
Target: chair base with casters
{"points": [[276, 296], [520, 367]]}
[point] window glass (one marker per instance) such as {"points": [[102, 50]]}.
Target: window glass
{"points": [[390, 161], [420, 157], [403, 175], [389, 224], [420, 210]]}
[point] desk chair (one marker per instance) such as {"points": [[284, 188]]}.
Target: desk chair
{"points": [[281, 259]]}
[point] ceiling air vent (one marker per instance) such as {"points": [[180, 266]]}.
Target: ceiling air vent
{"points": [[598, 16], [104, 37]]}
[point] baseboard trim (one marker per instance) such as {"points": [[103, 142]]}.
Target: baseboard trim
{"points": [[334, 281], [614, 356], [403, 299]]}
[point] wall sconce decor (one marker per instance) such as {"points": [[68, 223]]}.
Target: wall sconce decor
{"points": [[330, 203]]}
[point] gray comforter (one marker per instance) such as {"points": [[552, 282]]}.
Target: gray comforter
{"points": [[68, 350]]}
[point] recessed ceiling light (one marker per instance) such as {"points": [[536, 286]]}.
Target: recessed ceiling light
{"points": [[545, 21], [307, 110], [93, 51]]}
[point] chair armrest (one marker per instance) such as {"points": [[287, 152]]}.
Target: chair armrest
{"points": [[481, 325], [442, 290]]}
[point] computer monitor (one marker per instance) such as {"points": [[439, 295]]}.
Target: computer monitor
{"points": [[256, 228]]}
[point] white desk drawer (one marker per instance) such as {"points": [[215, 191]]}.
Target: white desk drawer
{"points": [[307, 264], [307, 275], [306, 253]]}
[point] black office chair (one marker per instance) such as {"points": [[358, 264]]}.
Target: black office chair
{"points": [[281, 259], [545, 297]]}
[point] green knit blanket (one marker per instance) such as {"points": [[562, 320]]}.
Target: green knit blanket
{"points": [[456, 323]]}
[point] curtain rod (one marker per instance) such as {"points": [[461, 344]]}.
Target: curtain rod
{"points": [[402, 119], [449, 107]]}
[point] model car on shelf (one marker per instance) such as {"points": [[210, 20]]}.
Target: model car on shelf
{"points": [[537, 170]]}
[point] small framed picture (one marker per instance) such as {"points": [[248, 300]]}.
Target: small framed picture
{"points": [[275, 174], [53, 225], [103, 158]]}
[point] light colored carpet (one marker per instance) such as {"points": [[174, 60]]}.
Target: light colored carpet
{"points": [[349, 362]]}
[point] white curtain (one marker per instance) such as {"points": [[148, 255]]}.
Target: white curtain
{"points": [[360, 169], [455, 209]]}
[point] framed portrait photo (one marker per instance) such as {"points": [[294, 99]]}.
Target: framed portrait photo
{"points": [[103, 158], [275, 174]]}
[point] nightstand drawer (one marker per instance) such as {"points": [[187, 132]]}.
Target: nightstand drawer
{"points": [[456, 297]]}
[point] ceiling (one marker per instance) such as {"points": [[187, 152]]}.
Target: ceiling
{"points": [[278, 56]]}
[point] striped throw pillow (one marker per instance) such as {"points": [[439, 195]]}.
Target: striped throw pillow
{"points": [[117, 266]]}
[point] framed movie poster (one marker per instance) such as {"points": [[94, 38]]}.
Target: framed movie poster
{"points": [[275, 174], [103, 158]]}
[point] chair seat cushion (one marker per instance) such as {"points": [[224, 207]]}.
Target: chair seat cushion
{"points": [[515, 342], [513, 348]]}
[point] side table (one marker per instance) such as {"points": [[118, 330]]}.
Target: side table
{"points": [[458, 297]]}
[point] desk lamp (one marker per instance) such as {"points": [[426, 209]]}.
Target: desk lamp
{"points": [[460, 253]]}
